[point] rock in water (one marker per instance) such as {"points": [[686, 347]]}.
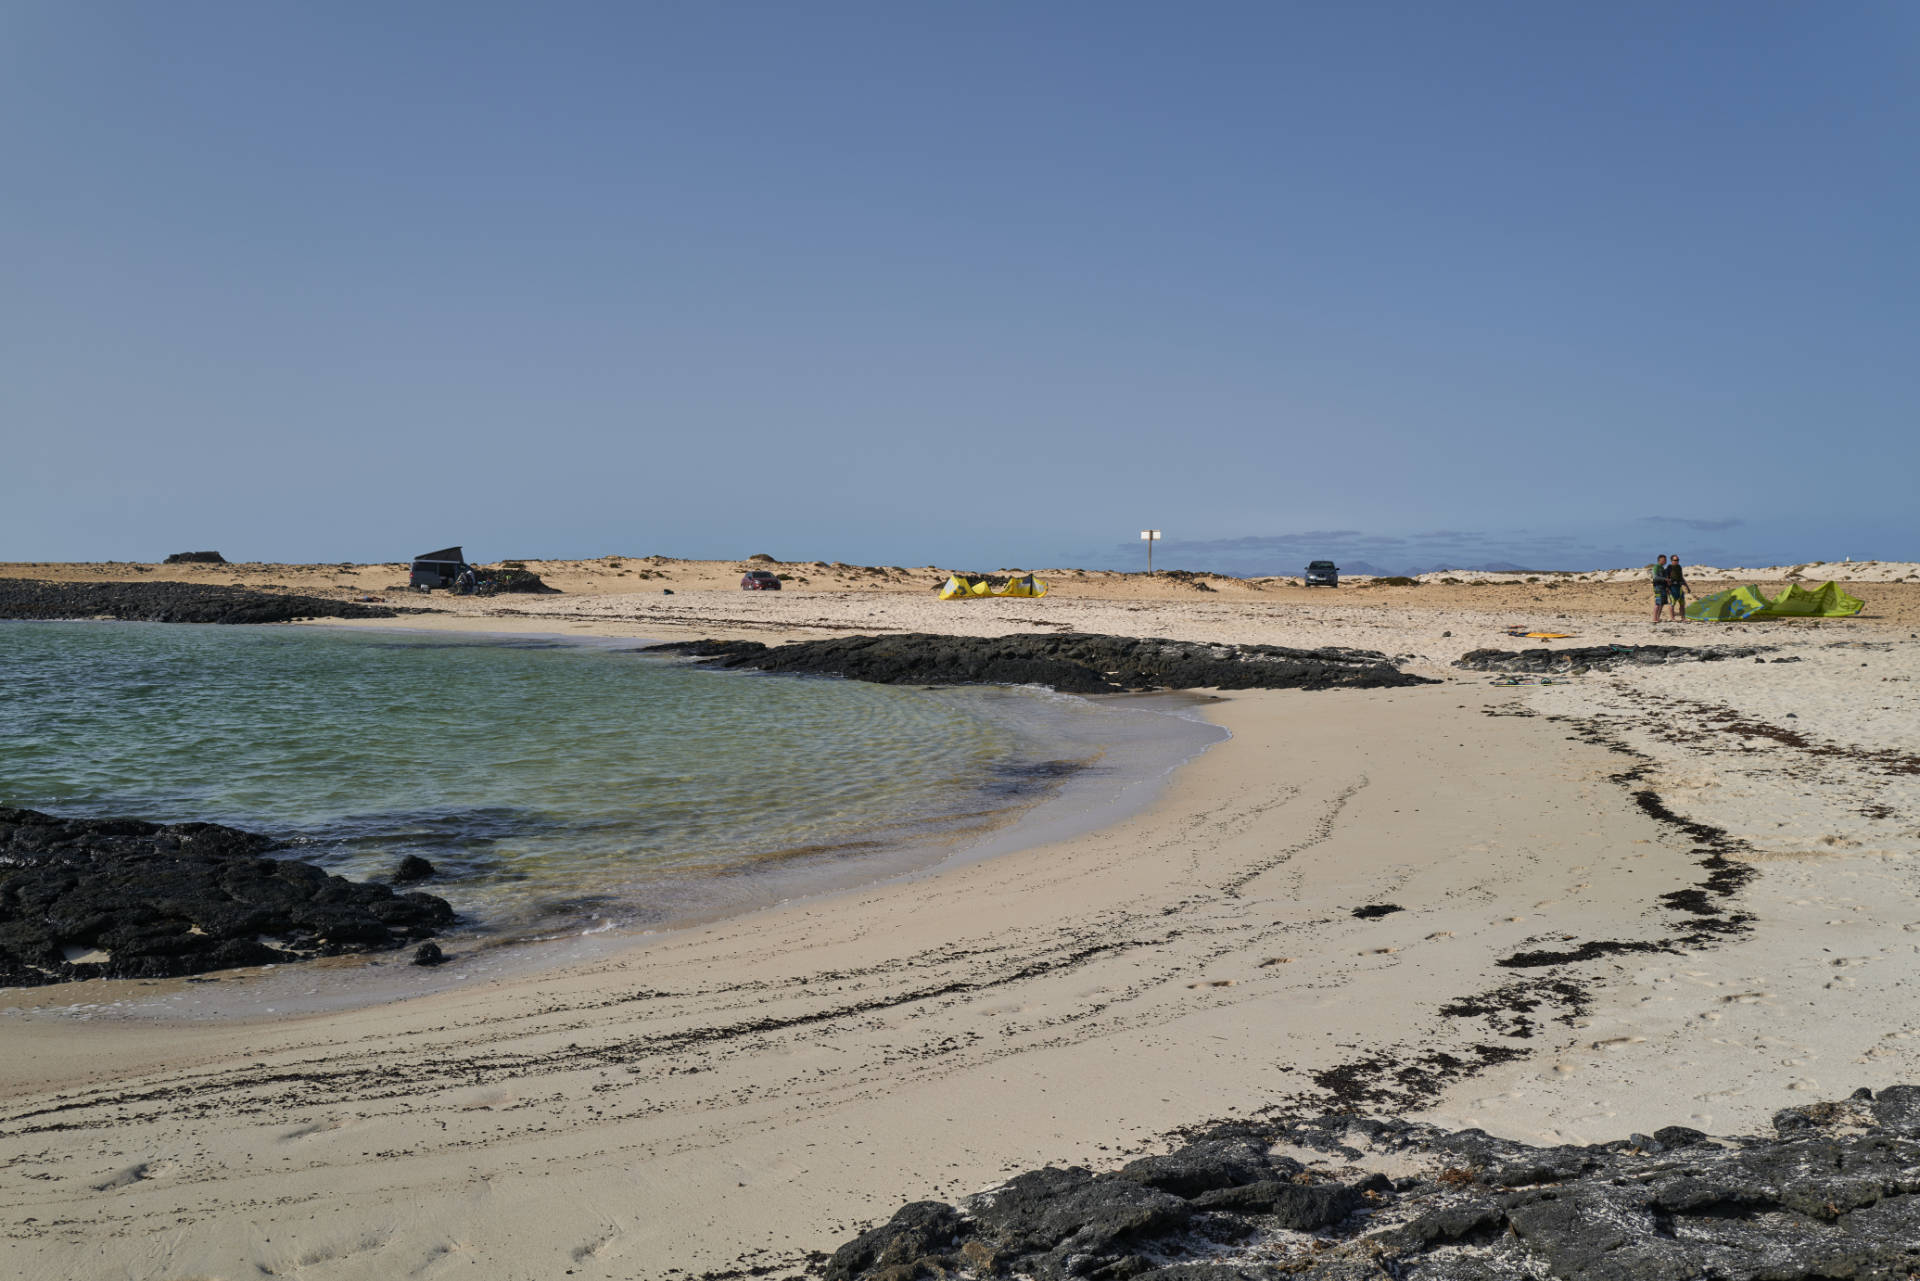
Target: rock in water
{"points": [[121, 898], [1074, 663], [412, 868], [429, 954], [169, 603]]}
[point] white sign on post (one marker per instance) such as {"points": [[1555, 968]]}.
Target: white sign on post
{"points": [[1150, 536]]}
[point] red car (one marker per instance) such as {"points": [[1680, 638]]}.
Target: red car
{"points": [[759, 580]]}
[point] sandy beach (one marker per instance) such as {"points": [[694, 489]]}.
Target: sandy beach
{"points": [[1655, 894]]}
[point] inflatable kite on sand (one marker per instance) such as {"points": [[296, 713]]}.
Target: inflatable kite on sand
{"points": [[1740, 603], [970, 587]]}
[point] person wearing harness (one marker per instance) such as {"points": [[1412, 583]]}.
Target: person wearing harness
{"points": [[1659, 587], [1676, 589]]}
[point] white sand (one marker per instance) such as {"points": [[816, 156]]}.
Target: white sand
{"points": [[743, 1093]]}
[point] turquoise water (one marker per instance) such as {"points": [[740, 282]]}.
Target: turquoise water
{"points": [[559, 787]]}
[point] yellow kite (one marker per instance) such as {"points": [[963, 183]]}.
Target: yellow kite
{"points": [[969, 587]]}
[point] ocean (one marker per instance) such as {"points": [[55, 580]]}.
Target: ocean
{"points": [[561, 788]]}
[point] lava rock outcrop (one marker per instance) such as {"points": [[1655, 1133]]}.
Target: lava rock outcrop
{"points": [[1074, 663], [1834, 1191], [1591, 656], [196, 558], [169, 603], [515, 578], [122, 898]]}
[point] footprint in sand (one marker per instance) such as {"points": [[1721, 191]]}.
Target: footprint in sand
{"points": [[126, 1178], [1440, 934], [308, 1131], [1380, 951], [1212, 983], [1614, 1042], [1744, 998], [592, 1249], [1276, 960]]}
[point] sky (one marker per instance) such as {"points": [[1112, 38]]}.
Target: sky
{"points": [[973, 285]]}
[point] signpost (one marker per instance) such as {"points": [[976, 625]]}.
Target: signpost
{"points": [[1150, 536]]}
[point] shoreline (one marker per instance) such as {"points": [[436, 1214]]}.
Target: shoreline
{"points": [[1139, 751], [868, 1019], [735, 1097]]}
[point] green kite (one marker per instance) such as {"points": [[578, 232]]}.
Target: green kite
{"points": [[1740, 603]]}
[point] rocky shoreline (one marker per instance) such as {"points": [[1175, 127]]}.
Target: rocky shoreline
{"points": [[1833, 1192], [1581, 658], [169, 602], [1073, 663], [122, 898]]}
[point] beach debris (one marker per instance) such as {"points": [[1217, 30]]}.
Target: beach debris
{"points": [[165, 602], [86, 898], [196, 558], [1829, 1193], [1374, 911], [1071, 662]]}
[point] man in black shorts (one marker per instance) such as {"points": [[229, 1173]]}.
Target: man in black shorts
{"points": [[1659, 587]]}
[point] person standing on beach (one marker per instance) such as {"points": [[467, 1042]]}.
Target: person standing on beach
{"points": [[1659, 587], [1676, 589]]}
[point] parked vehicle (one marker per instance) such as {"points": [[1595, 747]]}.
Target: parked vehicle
{"points": [[1323, 573], [759, 580], [436, 569]]}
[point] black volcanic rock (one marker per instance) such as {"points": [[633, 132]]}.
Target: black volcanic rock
{"points": [[412, 868], [1074, 663], [1581, 656], [165, 602], [916, 1231], [1208, 1166], [179, 899], [196, 558], [513, 578], [1833, 1192]]}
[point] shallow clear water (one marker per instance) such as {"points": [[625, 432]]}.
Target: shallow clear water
{"points": [[557, 786]]}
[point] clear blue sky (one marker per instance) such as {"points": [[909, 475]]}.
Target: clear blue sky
{"points": [[974, 284]]}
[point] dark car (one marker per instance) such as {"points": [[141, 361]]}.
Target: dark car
{"points": [[436, 569], [1323, 573], [759, 580]]}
